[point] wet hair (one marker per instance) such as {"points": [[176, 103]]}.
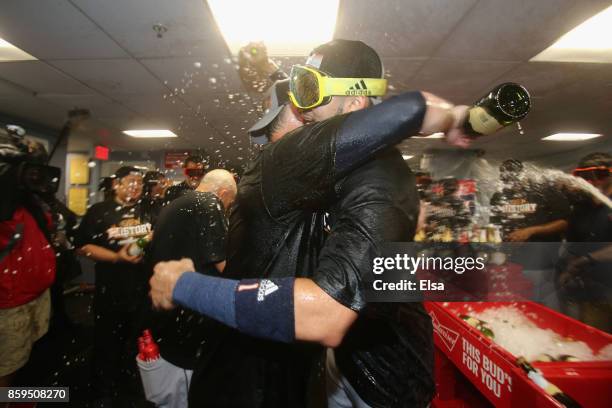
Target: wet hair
{"points": [[126, 171], [597, 159], [194, 158], [277, 122], [149, 180]]}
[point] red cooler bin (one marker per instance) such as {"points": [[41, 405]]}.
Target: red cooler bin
{"points": [[464, 354]]}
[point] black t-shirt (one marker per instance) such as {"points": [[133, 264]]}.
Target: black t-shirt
{"points": [[590, 229], [276, 230], [192, 226], [272, 221], [111, 225], [520, 207], [387, 355], [176, 191]]}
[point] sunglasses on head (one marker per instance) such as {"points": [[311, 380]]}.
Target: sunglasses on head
{"points": [[309, 88], [194, 172], [592, 173]]}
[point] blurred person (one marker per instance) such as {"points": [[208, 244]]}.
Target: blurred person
{"points": [[104, 235], [105, 186], [27, 259], [283, 187], [585, 276], [527, 211], [530, 212], [447, 213], [62, 233], [192, 226], [155, 184], [194, 170]]}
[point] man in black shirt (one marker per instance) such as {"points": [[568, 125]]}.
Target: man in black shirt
{"points": [[292, 179], [586, 276], [528, 212], [104, 235], [194, 171], [192, 226]]}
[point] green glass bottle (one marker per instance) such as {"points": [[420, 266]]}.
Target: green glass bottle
{"points": [[548, 387], [502, 106]]}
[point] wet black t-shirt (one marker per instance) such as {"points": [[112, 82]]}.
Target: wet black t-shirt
{"points": [[387, 355], [276, 230], [176, 191], [192, 226], [521, 207], [112, 225], [589, 230]]}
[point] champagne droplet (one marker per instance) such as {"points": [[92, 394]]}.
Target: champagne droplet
{"points": [[520, 128]]}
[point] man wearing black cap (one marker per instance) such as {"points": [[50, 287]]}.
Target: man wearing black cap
{"points": [[104, 235], [292, 180], [194, 171]]}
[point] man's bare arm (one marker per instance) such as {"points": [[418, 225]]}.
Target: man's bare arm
{"points": [[318, 317]]}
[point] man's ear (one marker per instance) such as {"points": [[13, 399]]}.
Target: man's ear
{"points": [[355, 103], [116, 182]]}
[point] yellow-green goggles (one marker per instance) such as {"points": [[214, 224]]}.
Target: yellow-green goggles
{"points": [[309, 88]]}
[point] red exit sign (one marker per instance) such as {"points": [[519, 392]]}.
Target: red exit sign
{"points": [[101, 152]]}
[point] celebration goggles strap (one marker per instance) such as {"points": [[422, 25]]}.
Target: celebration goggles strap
{"points": [[592, 172], [309, 88]]}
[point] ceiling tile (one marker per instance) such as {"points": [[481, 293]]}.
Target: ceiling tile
{"points": [[191, 29], [459, 79], [54, 29], [515, 30], [112, 77], [41, 78], [399, 28]]}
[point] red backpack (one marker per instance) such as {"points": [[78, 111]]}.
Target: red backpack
{"points": [[27, 260]]}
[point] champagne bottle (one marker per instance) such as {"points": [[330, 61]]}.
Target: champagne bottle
{"points": [[480, 325], [551, 389], [505, 104], [137, 248]]}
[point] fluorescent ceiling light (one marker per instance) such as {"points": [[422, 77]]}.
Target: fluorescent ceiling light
{"points": [[8, 52], [150, 133], [287, 27], [591, 41], [571, 137], [438, 135], [407, 156]]}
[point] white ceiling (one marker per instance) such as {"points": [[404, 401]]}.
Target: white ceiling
{"points": [[104, 56]]}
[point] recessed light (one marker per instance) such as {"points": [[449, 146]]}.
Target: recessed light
{"points": [[8, 52], [150, 133], [571, 137], [591, 41], [407, 156], [438, 135], [287, 27]]}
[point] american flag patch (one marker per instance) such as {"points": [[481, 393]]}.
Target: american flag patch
{"points": [[248, 287]]}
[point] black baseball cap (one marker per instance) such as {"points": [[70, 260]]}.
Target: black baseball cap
{"points": [[346, 59], [278, 96], [126, 171]]}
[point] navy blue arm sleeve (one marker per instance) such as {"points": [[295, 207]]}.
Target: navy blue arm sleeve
{"points": [[367, 131]]}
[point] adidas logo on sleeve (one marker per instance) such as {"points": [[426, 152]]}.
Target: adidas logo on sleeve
{"points": [[266, 287]]}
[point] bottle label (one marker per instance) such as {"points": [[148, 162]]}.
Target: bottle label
{"points": [[482, 122]]}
